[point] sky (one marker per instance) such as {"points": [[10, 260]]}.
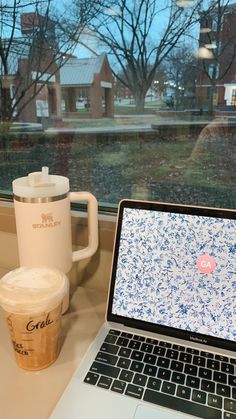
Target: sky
{"points": [[91, 41]]}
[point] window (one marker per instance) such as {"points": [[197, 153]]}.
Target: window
{"points": [[83, 94], [233, 99], [213, 71], [214, 25]]}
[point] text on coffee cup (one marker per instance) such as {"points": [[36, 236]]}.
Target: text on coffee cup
{"points": [[32, 325]]}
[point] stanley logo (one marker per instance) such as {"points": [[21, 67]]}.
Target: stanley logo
{"points": [[47, 221]]}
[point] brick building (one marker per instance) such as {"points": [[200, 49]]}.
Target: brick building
{"points": [[121, 91], [32, 69], [216, 75], [87, 87]]}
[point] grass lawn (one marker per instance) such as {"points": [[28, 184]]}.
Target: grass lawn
{"points": [[111, 168], [153, 162], [117, 121]]}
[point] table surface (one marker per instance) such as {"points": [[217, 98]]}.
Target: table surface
{"points": [[28, 395]]}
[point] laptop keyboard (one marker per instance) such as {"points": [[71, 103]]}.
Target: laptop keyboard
{"points": [[174, 376]]}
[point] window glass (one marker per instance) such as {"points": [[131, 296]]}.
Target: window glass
{"points": [[126, 99]]}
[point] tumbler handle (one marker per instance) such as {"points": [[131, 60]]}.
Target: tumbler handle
{"points": [[92, 225]]}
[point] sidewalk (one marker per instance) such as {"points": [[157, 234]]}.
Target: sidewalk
{"points": [[88, 130]]}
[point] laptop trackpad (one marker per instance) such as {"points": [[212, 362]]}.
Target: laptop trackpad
{"points": [[144, 412]]}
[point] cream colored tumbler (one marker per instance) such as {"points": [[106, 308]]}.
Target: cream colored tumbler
{"points": [[43, 221]]}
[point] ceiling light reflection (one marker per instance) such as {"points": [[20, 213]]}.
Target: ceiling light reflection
{"points": [[210, 46], [204, 53], [184, 3], [205, 30]]}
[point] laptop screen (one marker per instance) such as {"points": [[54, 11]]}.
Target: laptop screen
{"points": [[176, 268]]}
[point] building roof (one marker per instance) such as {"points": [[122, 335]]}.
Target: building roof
{"points": [[81, 71]]}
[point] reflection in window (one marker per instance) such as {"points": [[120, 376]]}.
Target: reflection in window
{"points": [[128, 101]]}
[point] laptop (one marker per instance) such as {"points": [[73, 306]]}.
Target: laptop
{"points": [[167, 347]]}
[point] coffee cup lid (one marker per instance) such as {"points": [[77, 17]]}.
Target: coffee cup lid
{"points": [[32, 289]]}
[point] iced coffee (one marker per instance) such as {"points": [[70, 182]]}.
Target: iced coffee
{"points": [[31, 299]]}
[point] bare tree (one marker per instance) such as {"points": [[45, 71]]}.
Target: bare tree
{"points": [[181, 71], [217, 33], [35, 41], [139, 35]]}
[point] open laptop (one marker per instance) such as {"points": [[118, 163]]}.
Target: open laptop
{"points": [[167, 348]]}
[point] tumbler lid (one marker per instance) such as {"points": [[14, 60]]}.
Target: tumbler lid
{"points": [[40, 185]]}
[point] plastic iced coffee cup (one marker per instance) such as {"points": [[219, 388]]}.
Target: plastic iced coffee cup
{"points": [[32, 299]]}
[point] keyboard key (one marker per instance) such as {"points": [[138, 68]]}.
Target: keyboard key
{"points": [[190, 369], [154, 384], [124, 363], [208, 386], [185, 357], [104, 382], [192, 381], [168, 388], [140, 379], [214, 401], [233, 361], [110, 338], [150, 359], [137, 366], [170, 353], [229, 368], [159, 351], [106, 358], [220, 377], [199, 396], [222, 358], [127, 335], [105, 369], [182, 405], [91, 378], [223, 390], [207, 354], [165, 344], [232, 380], [164, 374], [134, 391], [126, 375], [183, 392], [204, 373], [199, 360], [234, 393], [152, 341], [177, 366], [139, 338], [118, 386], [178, 347], [122, 341], [109, 348], [163, 362], [178, 378], [230, 405], [192, 351], [125, 352], [146, 347], [228, 415], [212, 364], [137, 355], [150, 370], [114, 332], [134, 344]]}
